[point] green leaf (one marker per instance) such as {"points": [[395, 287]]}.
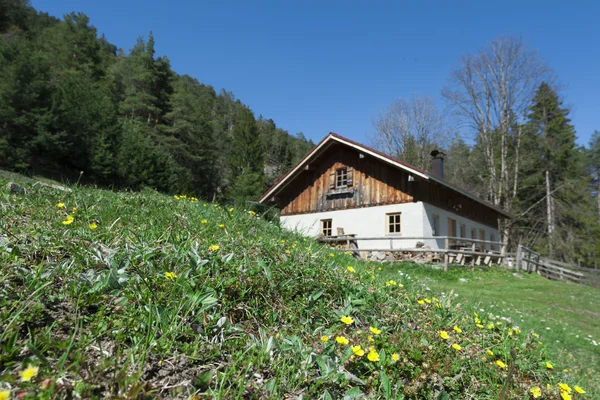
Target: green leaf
{"points": [[353, 393], [385, 385], [327, 396], [202, 381]]}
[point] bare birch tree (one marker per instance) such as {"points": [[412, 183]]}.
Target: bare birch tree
{"points": [[410, 129], [490, 91]]}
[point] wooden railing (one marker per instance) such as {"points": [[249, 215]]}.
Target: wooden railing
{"points": [[455, 249], [531, 261]]}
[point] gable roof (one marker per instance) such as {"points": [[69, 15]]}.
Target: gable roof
{"points": [[332, 138]]}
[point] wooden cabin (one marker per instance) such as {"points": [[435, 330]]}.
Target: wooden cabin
{"points": [[343, 186]]}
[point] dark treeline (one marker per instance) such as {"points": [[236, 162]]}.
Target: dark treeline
{"points": [[70, 101]]}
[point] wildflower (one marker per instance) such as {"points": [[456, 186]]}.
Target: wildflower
{"points": [[379, 269], [231, 209], [324, 339], [4, 394], [457, 329], [438, 305], [60, 205], [400, 285], [375, 331], [170, 276], [252, 213], [369, 338], [475, 314], [479, 326], [69, 220], [477, 320], [490, 326], [347, 320], [204, 221], [331, 255], [74, 209], [456, 347], [564, 388], [444, 334], [549, 366], [93, 226], [395, 356], [373, 356], [490, 353], [358, 351], [578, 389], [427, 301], [177, 197], [565, 396], [421, 302], [536, 392], [213, 247], [28, 373], [342, 340], [221, 225], [500, 364], [351, 269], [516, 330]]}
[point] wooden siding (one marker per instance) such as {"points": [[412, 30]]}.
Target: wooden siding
{"points": [[374, 183]]}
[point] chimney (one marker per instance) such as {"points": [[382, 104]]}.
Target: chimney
{"points": [[437, 164]]}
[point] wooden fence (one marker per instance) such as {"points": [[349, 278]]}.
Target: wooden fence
{"points": [[455, 250], [530, 261]]}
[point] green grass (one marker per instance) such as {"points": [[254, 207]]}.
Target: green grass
{"points": [[186, 299]]}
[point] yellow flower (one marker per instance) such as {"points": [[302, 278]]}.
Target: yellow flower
{"points": [[456, 347], [373, 356], [564, 387], [480, 326], [500, 364], [490, 326], [369, 338], [28, 373], [213, 247], [427, 301], [490, 353], [221, 225], [4, 394], [438, 305], [176, 197], [457, 329], [375, 331], [74, 209], [93, 225], [358, 351], [324, 339], [60, 205], [69, 220], [565, 396], [351, 269], [421, 302], [400, 285], [331, 255], [231, 209], [252, 213], [475, 314], [579, 390], [395, 356], [536, 392], [347, 320], [204, 221], [170, 276], [444, 334], [549, 366], [342, 340]]}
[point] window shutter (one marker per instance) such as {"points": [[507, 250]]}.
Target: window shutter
{"points": [[350, 176], [332, 181]]}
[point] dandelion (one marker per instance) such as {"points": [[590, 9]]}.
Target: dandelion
{"points": [[4, 394], [204, 221], [490, 353], [60, 205], [565, 396], [213, 247], [500, 364], [170, 276], [578, 389], [375, 331], [347, 320], [444, 335], [324, 339], [29, 373], [456, 347], [395, 356], [564, 388], [427, 301], [421, 302], [358, 351], [457, 329], [351, 269], [549, 366], [342, 340], [536, 392], [373, 356], [93, 226], [69, 220]]}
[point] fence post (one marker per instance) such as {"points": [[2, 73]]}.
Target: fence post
{"points": [[473, 256], [446, 256], [519, 257]]}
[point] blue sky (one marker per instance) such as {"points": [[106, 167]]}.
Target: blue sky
{"points": [[321, 66]]}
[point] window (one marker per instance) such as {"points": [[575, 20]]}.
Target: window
{"points": [[326, 227], [341, 178], [473, 233], [393, 223], [492, 239], [436, 225], [451, 227], [482, 237], [463, 231]]}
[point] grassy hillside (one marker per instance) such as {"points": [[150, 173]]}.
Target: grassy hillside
{"points": [[132, 295]]}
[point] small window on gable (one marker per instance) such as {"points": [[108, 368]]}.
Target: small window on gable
{"points": [[341, 178], [326, 227], [436, 224], [393, 223]]}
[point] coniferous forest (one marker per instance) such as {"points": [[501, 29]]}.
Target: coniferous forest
{"points": [[70, 101]]}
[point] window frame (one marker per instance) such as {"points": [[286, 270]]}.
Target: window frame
{"points": [[325, 228], [435, 225], [462, 231], [341, 178], [396, 224]]}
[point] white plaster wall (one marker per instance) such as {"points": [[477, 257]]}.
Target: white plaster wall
{"points": [[364, 222], [416, 221]]}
